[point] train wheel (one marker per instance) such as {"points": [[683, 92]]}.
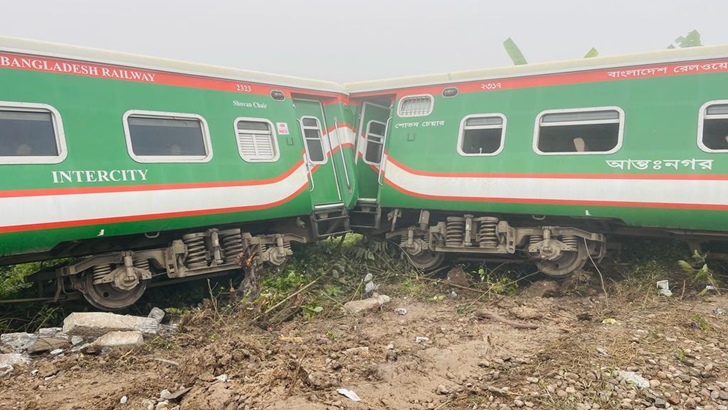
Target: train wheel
{"points": [[567, 263], [426, 260], [108, 296]]}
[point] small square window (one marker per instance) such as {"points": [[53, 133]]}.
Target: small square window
{"points": [[481, 134], [415, 106], [256, 140]]}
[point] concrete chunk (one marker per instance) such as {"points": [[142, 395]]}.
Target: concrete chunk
{"points": [[357, 306], [5, 369], [18, 341], [50, 331], [46, 344], [120, 339], [11, 359], [156, 314], [95, 324]]}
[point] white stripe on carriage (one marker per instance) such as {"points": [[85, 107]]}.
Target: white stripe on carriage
{"points": [[664, 191], [89, 206]]}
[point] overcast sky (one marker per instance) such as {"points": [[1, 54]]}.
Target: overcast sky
{"points": [[361, 40]]}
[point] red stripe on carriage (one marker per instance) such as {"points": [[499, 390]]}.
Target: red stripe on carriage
{"points": [[84, 68], [577, 76]]}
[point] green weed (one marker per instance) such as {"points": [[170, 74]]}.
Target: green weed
{"points": [[699, 271]]}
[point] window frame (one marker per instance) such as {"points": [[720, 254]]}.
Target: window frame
{"points": [[58, 132], [366, 146], [461, 133], [702, 114], [620, 133], [155, 159], [403, 99], [320, 139], [273, 137]]}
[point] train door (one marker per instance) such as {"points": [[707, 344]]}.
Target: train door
{"points": [[372, 134], [330, 216]]}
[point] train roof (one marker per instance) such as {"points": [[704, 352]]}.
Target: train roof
{"points": [[584, 64], [49, 49], [58, 50]]}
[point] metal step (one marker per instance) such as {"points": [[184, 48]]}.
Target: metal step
{"points": [[330, 222], [365, 215]]}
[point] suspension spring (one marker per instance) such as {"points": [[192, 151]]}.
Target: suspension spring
{"points": [[488, 232], [141, 264], [232, 243], [534, 239], [571, 241], [454, 231], [196, 250], [100, 272]]}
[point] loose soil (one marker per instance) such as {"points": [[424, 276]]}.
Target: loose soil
{"points": [[457, 351]]}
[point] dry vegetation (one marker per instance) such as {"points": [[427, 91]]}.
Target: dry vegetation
{"points": [[457, 347]]}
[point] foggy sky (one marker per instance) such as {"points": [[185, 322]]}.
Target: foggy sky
{"points": [[349, 41]]}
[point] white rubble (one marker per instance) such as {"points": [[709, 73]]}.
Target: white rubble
{"points": [[349, 393], [95, 324], [357, 306], [120, 339], [9, 360], [50, 331], [46, 344], [156, 314], [12, 359], [18, 341], [5, 369], [634, 379]]}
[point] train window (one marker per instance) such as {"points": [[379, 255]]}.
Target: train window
{"points": [[415, 106], [582, 131], [311, 128], [713, 128], [256, 140], [481, 134], [30, 134], [167, 137], [375, 142]]}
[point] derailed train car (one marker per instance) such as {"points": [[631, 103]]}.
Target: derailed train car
{"points": [[153, 169], [546, 162], [162, 169]]}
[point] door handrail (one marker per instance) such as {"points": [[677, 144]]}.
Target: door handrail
{"points": [[383, 160], [341, 150], [309, 171]]}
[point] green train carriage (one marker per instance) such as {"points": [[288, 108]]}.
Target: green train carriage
{"points": [[162, 169], [544, 162]]}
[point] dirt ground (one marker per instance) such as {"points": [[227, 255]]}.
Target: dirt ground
{"points": [[445, 352]]}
